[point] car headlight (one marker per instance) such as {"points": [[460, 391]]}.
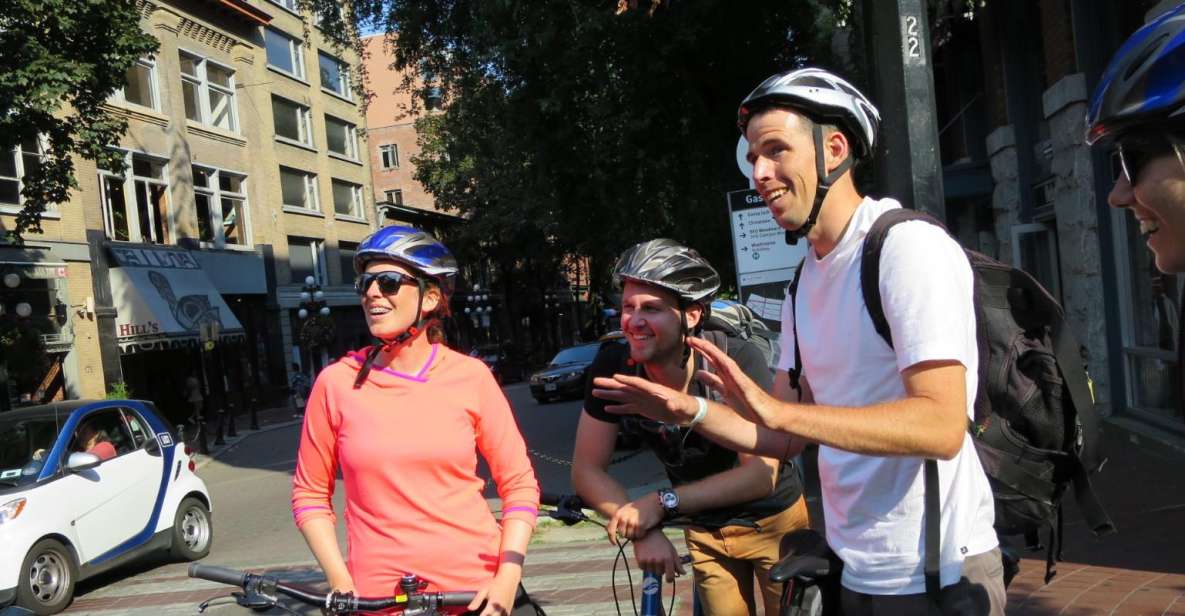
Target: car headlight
{"points": [[535, 379], [11, 509]]}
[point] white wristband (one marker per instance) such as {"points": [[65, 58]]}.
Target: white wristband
{"points": [[700, 414]]}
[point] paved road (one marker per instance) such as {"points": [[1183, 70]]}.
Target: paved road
{"points": [[250, 484]]}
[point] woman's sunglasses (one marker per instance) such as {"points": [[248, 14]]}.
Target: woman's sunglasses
{"points": [[1133, 154], [389, 282]]}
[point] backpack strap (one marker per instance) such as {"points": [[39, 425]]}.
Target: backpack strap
{"points": [[795, 373], [870, 275]]}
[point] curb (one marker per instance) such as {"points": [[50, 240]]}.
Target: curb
{"points": [[200, 460]]}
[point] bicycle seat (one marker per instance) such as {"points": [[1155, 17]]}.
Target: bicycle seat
{"points": [[805, 557]]}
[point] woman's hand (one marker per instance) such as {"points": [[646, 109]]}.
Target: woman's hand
{"points": [[498, 595]]}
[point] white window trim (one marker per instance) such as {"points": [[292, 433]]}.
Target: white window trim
{"points": [[51, 210], [351, 138], [129, 191], [293, 10], [310, 191], [387, 196], [204, 85], [216, 195], [393, 148], [343, 70], [317, 247], [357, 202], [304, 122], [117, 97], [295, 53]]}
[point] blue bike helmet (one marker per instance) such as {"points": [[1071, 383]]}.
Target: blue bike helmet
{"points": [[412, 247], [1145, 82]]}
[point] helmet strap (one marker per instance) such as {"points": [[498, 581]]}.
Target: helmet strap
{"points": [[825, 182], [388, 345]]}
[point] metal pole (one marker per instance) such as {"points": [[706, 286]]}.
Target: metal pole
{"points": [[898, 41]]}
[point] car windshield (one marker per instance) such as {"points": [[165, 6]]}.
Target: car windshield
{"points": [[24, 444], [576, 355]]}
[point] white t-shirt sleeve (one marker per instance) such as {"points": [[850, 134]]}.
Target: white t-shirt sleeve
{"points": [[927, 294], [786, 337]]}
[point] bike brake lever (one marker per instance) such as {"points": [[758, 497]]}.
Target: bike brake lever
{"points": [[253, 600]]}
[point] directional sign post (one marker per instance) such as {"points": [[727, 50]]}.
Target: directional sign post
{"points": [[765, 262]]}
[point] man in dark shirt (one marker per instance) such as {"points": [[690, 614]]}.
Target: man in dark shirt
{"points": [[740, 505]]}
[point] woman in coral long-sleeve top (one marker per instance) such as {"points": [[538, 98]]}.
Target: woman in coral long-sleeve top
{"points": [[403, 421]]}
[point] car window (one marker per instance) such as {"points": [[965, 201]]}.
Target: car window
{"points": [[136, 426], [104, 434], [579, 354], [24, 444]]}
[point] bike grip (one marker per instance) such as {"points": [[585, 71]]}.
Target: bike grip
{"points": [[222, 575], [456, 599]]}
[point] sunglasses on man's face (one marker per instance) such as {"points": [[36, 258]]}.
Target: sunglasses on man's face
{"points": [[1132, 155], [389, 282]]}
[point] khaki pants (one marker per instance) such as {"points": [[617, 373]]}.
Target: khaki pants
{"points": [[726, 560], [980, 592]]}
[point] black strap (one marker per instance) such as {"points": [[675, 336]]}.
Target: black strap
{"points": [[933, 515], [870, 263], [795, 373]]}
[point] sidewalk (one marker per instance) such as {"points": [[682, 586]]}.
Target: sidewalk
{"points": [[269, 419]]}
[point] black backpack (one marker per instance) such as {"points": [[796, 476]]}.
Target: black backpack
{"points": [[738, 321], [1035, 427]]}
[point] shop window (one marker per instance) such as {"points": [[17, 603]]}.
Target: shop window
{"points": [[220, 198], [136, 204]]}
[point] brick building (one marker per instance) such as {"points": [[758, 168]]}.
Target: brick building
{"points": [[245, 174]]}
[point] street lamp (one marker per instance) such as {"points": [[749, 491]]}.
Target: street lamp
{"points": [[479, 310]]}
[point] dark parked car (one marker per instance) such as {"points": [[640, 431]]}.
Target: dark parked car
{"points": [[564, 375]]}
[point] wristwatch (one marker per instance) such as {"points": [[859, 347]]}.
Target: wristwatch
{"points": [[669, 499]]}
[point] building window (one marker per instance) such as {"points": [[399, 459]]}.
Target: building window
{"points": [[209, 92], [292, 121], [390, 155], [139, 85], [335, 76], [395, 196], [299, 189], [220, 198], [284, 53], [288, 4], [341, 137], [136, 206], [345, 255], [306, 258], [14, 164], [347, 199]]}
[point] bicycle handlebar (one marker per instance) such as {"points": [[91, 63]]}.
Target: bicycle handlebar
{"points": [[337, 603]]}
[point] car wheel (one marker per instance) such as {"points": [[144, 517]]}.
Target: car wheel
{"points": [[46, 583], [193, 530]]}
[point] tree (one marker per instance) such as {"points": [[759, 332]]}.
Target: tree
{"points": [[60, 61], [568, 128]]}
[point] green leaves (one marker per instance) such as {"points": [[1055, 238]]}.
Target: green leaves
{"points": [[61, 60]]}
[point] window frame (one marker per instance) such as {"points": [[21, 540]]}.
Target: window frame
{"points": [[356, 197], [393, 150], [295, 55], [310, 190], [317, 248], [119, 96], [18, 154], [344, 75], [129, 191], [294, 9], [351, 138], [304, 122], [202, 81], [398, 201], [216, 195]]}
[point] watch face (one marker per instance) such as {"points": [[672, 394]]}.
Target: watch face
{"points": [[670, 500]]}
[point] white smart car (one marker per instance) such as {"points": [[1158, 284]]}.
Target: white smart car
{"points": [[89, 485]]}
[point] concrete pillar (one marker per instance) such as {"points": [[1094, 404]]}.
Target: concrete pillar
{"points": [[1002, 155]]}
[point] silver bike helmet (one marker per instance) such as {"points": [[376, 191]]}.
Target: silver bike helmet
{"points": [[823, 98], [668, 264]]}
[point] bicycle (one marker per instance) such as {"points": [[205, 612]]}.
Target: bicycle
{"points": [[261, 592], [569, 509]]}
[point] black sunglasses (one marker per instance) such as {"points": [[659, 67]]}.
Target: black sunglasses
{"points": [[1133, 154], [389, 282]]}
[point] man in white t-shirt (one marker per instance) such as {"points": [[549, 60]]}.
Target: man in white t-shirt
{"points": [[876, 412]]}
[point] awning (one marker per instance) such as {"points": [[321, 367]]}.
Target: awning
{"points": [[165, 301]]}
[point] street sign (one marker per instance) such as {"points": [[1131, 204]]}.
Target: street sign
{"points": [[765, 262]]}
